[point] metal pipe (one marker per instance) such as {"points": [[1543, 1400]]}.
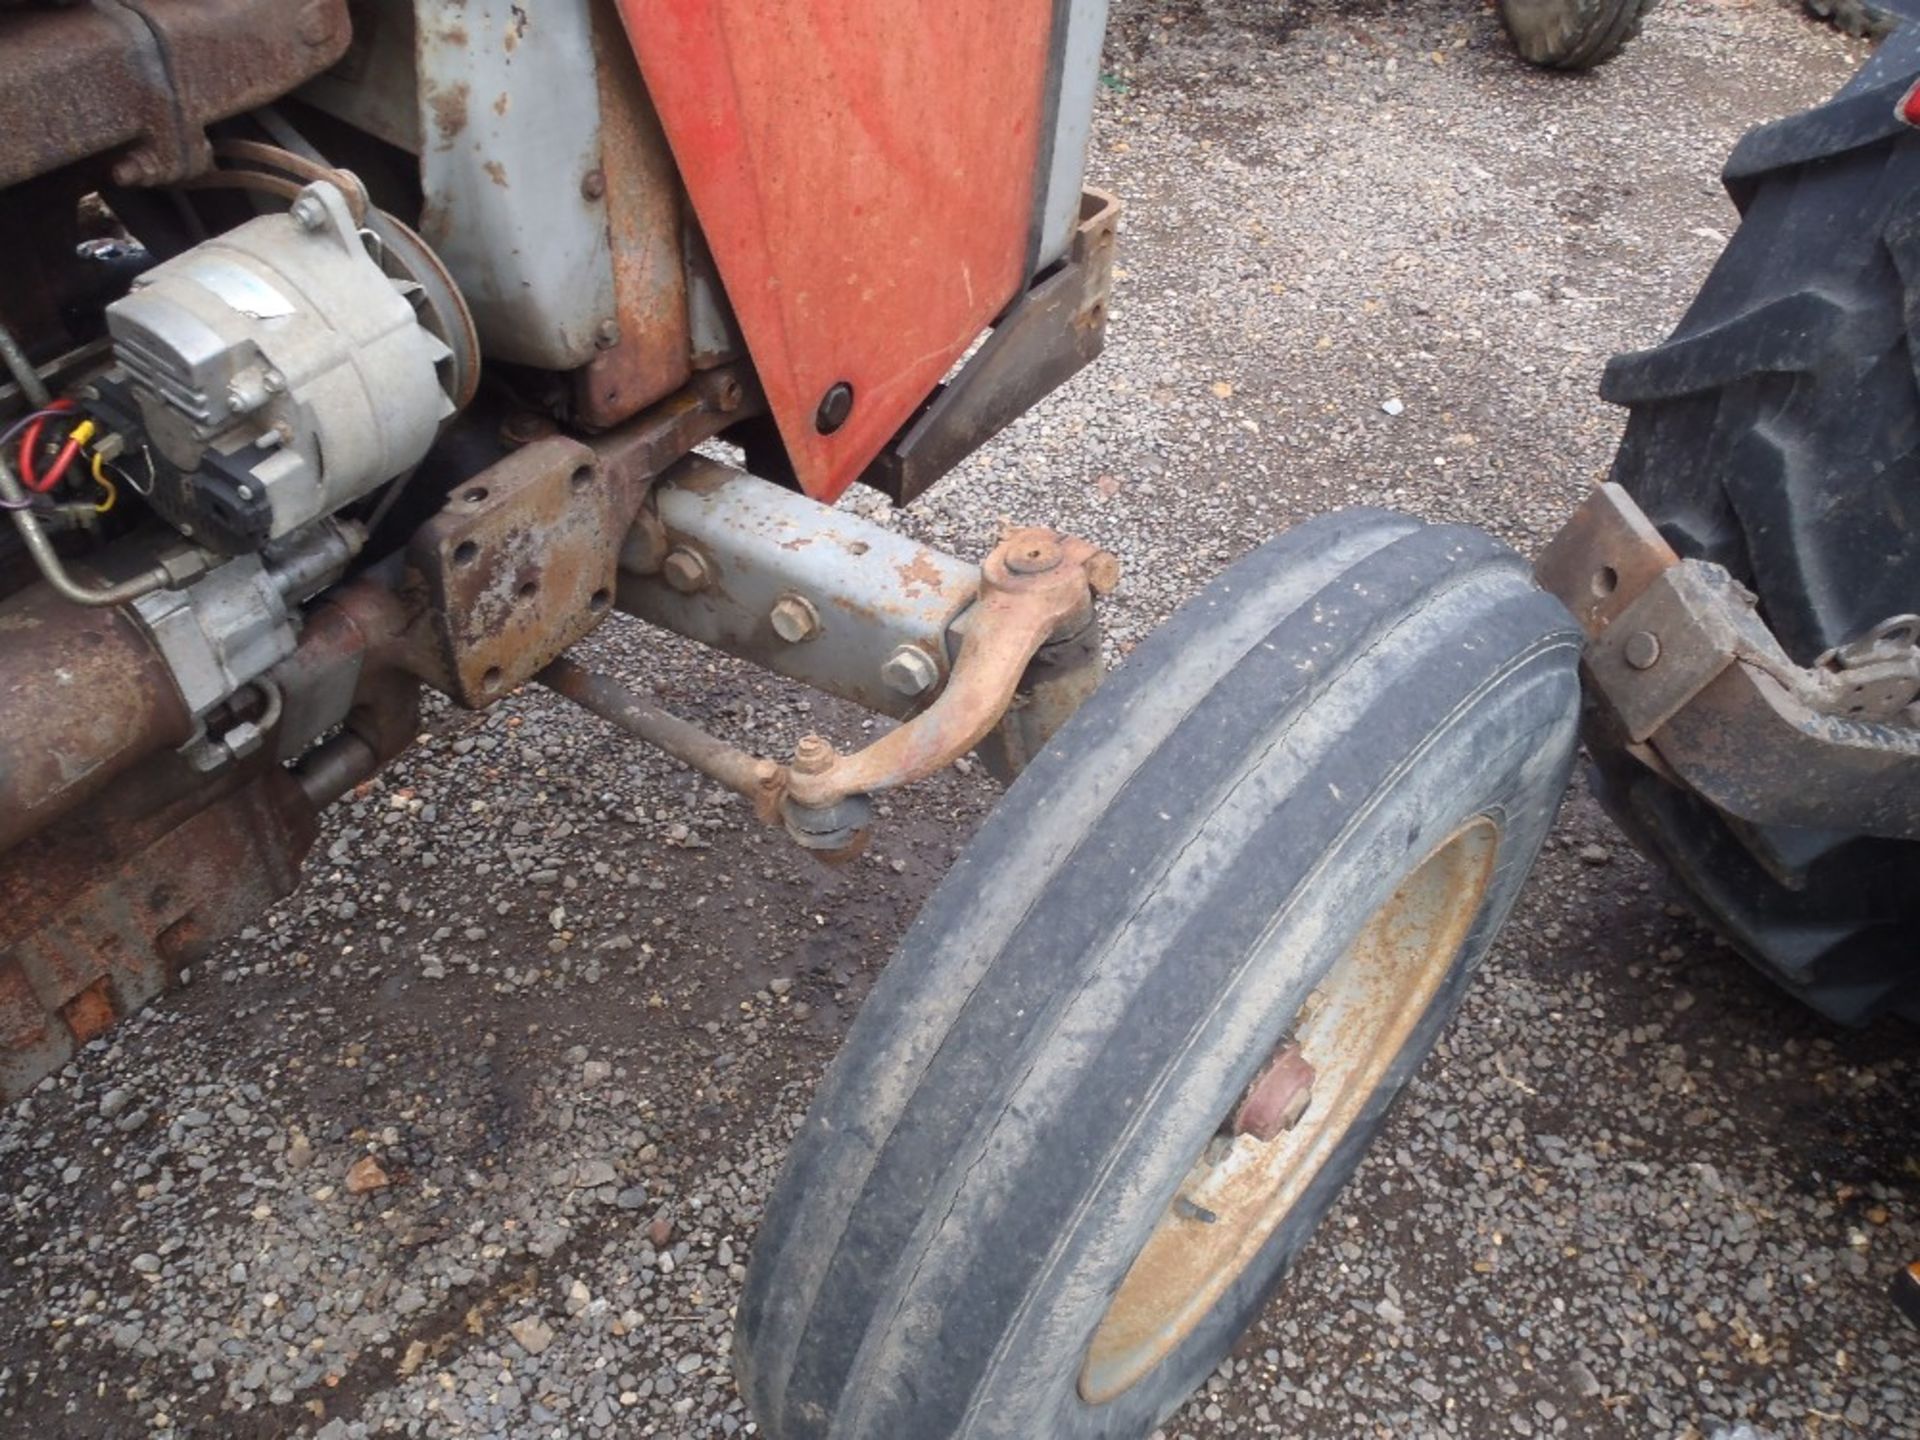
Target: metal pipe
{"points": [[759, 779], [54, 569], [24, 374], [87, 697]]}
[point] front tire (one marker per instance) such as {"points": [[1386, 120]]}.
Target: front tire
{"points": [[1021, 1205]]}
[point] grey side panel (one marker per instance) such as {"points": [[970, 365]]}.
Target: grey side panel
{"points": [[510, 120], [1066, 164]]}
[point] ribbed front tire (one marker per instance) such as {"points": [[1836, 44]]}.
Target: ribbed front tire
{"points": [[1027, 1201]]}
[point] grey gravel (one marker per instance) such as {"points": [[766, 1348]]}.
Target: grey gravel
{"points": [[575, 999]]}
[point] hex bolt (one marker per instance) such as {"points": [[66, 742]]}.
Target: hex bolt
{"points": [[308, 213], [794, 619], [1642, 650], [685, 570], [813, 756], [593, 184], [835, 407], [909, 670], [607, 334]]}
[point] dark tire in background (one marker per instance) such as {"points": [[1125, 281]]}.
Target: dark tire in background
{"points": [[1777, 433], [1141, 1035], [1862, 19], [1572, 34]]}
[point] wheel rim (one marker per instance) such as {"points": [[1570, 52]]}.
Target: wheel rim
{"points": [[1279, 1134]]}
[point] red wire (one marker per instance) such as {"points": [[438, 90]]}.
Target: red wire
{"points": [[30, 442]]}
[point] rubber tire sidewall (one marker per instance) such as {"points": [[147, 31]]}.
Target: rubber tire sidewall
{"points": [[1489, 754]]}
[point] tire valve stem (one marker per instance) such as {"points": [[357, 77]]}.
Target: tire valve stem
{"points": [[1278, 1096]]}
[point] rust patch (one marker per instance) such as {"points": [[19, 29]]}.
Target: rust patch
{"points": [[449, 109], [496, 172], [89, 1013], [920, 574], [503, 104]]}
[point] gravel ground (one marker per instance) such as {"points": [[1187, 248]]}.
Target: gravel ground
{"points": [[470, 1137]]}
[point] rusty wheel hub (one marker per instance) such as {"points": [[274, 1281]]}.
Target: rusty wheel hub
{"points": [[1294, 1115]]}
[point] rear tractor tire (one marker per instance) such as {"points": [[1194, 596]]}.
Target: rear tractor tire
{"points": [[1142, 1034], [1572, 34]]}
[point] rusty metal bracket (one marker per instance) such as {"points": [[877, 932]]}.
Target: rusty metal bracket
{"points": [[1035, 590], [519, 565], [522, 560], [1034, 585], [1680, 666]]}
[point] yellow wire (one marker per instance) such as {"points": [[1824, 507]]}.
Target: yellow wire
{"points": [[100, 479]]}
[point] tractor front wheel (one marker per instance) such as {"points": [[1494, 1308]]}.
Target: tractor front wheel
{"points": [[1142, 1034]]}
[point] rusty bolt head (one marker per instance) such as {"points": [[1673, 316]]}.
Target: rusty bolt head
{"points": [[686, 570], [593, 184], [523, 427], [794, 619], [813, 756], [1103, 572], [1032, 552], [1642, 650], [1278, 1097], [909, 670]]}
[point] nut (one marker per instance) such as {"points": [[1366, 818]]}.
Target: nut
{"points": [[1032, 552], [1278, 1097], [307, 212], [686, 570], [794, 619], [909, 670], [1642, 650], [813, 756]]}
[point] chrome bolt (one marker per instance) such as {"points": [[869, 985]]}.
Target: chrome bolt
{"points": [[909, 670], [1642, 650], [794, 619], [685, 570], [308, 213]]}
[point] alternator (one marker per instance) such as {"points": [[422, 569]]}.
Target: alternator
{"points": [[287, 367]]}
